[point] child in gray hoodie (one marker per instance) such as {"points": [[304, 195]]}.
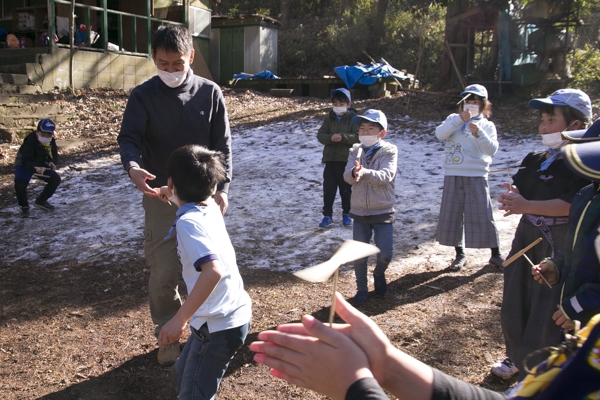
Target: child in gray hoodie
{"points": [[371, 170]]}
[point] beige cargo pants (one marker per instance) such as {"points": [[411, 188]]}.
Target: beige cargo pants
{"points": [[162, 256]]}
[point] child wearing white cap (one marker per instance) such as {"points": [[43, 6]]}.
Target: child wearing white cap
{"points": [[542, 192], [337, 134], [371, 170], [466, 214]]}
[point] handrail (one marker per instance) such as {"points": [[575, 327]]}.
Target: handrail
{"points": [[120, 14]]}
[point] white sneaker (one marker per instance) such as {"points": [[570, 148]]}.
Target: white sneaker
{"points": [[504, 369]]}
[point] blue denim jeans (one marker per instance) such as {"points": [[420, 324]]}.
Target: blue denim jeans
{"points": [[204, 359], [384, 240]]}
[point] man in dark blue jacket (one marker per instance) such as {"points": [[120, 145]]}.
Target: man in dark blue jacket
{"points": [[173, 109]]}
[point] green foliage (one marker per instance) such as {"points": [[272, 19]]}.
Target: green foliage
{"points": [[586, 66], [316, 46]]}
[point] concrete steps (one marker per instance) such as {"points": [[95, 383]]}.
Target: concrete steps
{"points": [[14, 69], [20, 98], [20, 56], [20, 113], [15, 79]]}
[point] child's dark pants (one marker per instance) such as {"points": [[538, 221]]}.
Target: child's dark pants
{"points": [[333, 178], [22, 178]]}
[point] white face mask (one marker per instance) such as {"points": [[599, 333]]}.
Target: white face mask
{"points": [[172, 79], [554, 140], [44, 140], [473, 108], [369, 140], [340, 110]]}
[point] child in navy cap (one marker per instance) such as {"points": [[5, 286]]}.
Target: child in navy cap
{"points": [[337, 135], [37, 156]]}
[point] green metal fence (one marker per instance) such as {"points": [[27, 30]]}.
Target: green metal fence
{"points": [[84, 13]]}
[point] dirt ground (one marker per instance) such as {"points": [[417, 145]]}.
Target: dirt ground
{"points": [[70, 330]]}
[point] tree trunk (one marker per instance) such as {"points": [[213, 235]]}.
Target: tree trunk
{"points": [[379, 26], [284, 8]]}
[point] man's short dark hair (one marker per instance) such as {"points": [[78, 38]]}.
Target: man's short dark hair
{"points": [[195, 172], [172, 39]]}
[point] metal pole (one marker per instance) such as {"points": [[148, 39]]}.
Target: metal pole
{"points": [[148, 28], [71, 45], [105, 24], [51, 23]]}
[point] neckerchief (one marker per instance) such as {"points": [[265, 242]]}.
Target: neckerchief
{"points": [[48, 148], [550, 160], [475, 118], [371, 149]]}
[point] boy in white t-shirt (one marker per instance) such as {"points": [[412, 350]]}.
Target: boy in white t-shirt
{"points": [[217, 307]]}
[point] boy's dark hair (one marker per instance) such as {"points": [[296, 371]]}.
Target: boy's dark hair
{"points": [[195, 172], [571, 114], [339, 96], [172, 39], [485, 106], [364, 121]]}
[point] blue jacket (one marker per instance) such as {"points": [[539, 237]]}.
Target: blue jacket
{"points": [[578, 263]]}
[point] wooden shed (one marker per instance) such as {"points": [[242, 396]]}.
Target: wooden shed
{"points": [[245, 43]]}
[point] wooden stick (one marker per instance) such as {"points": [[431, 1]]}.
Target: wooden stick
{"points": [[533, 265], [521, 252], [458, 74], [332, 308]]}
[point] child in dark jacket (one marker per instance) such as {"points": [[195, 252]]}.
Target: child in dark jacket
{"points": [[37, 156], [337, 134]]}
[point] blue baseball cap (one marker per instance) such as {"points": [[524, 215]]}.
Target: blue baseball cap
{"points": [[345, 92], [478, 90], [584, 159], [590, 134], [46, 125], [372, 116], [573, 98]]}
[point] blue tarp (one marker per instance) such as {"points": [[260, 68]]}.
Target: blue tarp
{"points": [[266, 74], [368, 74]]}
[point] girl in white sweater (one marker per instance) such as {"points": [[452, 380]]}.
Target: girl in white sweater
{"points": [[466, 209]]}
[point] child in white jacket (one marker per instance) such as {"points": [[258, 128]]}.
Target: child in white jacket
{"points": [[466, 208]]}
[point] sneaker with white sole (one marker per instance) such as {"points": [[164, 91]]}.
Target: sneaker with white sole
{"points": [[504, 369], [168, 354]]}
